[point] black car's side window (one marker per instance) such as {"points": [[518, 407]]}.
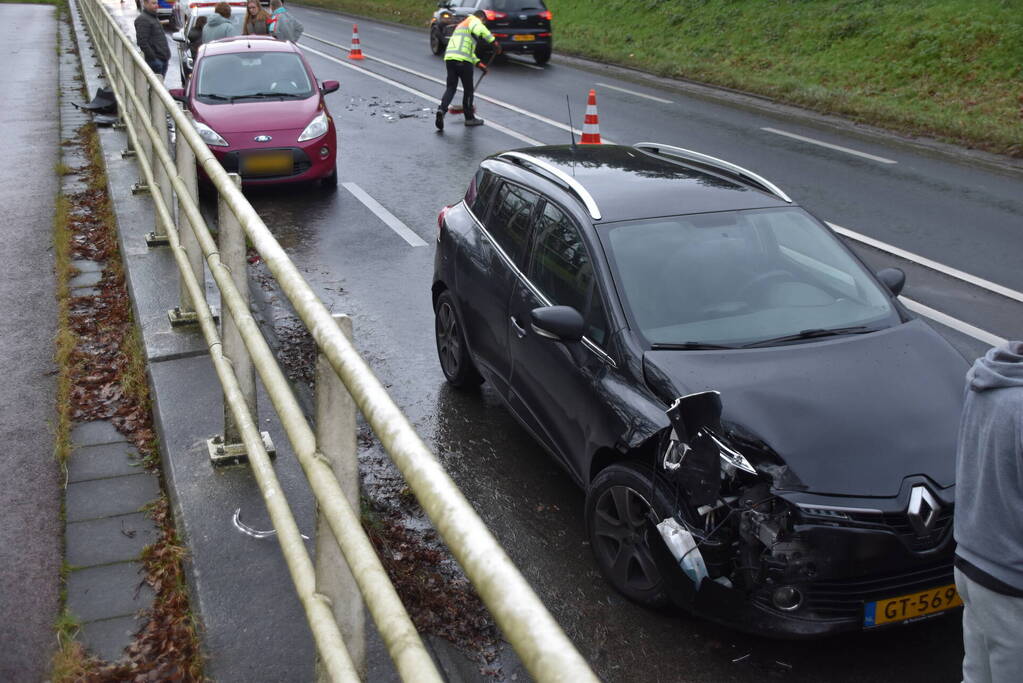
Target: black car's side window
{"points": [[561, 268], [478, 195], [508, 222]]}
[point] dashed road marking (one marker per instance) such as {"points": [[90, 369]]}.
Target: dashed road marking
{"points": [[386, 216], [633, 92], [839, 148]]}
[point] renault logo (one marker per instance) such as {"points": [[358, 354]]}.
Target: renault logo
{"points": [[923, 510], [262, 138]]}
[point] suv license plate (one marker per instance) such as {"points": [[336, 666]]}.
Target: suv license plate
{"points": [[524, 37], [912, 606]]}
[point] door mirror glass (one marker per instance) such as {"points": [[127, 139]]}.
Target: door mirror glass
{"points": [[560, 323], [893, 278], [329, 87]]}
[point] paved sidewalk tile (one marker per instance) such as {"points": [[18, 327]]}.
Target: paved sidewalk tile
{"points": [[112, 539], [111, 590], [108, 638], [107, 497], [105, 460], [85, 280], [92, 433]]}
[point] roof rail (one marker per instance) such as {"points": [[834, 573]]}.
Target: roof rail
{"points": [[728, 167], [568, 181]]}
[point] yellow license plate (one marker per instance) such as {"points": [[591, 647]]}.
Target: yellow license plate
{"points": [[906, 607], [270, 163], [524, 37]]}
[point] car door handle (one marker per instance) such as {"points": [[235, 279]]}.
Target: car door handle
{"points": [[520, 331]]}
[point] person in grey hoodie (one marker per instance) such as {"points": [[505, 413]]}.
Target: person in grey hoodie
{"points": [[219, 25], [989, 517]]}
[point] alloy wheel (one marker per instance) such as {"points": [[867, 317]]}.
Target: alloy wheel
{"points": [[619, 526]]}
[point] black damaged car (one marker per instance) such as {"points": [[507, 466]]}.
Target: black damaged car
{"points": [[764, 433]]}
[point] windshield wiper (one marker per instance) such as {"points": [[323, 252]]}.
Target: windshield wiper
{"points": [[211, 96], [811, 334], [263, 95], [688, 346]]}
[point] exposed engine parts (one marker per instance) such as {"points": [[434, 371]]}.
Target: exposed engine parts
{"points": [[728, 526]]}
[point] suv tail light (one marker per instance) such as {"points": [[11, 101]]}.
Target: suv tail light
{"points": [[546, 14], [440, 220], [491, 14]]}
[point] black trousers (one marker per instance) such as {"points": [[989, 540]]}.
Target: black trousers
{"points": [[458, 71]]}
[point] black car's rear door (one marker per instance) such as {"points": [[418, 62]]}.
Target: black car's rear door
{"points": [[555, 388], [487, 272]]}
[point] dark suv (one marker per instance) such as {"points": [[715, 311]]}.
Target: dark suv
{"points": [[520, 26], [765, 435]]}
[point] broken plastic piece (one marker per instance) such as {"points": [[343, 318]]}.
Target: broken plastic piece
{"points": [[683, 548], [249, 531]]}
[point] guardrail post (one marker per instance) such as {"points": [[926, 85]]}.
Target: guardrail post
{"points": [[163, 186], [128, 110], [184, 314], [227, 448], [335, 438], [144, 144]]}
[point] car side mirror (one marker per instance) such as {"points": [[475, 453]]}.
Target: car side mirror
{"points": [[179, 37], [329, 86], [560, 323], [893, 278], [178, 94]]}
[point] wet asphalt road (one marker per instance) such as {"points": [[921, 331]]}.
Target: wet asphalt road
{"points": [[962, 216]]}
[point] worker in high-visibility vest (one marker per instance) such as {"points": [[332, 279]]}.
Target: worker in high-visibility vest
{"points": [[459, 58]]}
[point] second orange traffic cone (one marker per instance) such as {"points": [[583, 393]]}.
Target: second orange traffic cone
{"points": [[356, 51], [591, 128]]}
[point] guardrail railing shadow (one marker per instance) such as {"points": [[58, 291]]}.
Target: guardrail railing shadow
{"points": [[346, 563]]}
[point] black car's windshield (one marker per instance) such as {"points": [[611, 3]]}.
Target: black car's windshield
{"points": [[253, 76], [737, 278]]}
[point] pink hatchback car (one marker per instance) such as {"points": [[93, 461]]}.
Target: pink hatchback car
{"points": [[257, 105]]}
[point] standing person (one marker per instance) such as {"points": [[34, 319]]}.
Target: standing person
{"points": [[151, 39], [219, 25], [256, 19], [283, 25], [459, 59], [195, 36], [989, 517]]}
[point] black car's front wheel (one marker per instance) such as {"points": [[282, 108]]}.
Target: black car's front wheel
{"points": [[437, 44], [618, 505], [454, 357]]}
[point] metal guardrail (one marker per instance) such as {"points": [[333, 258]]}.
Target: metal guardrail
{"points": [[346, 560]]}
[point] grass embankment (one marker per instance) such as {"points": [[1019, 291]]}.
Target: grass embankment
{"points": [[947, 69]]}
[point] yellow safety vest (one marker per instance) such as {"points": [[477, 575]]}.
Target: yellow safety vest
{"points": [[462, 45]]}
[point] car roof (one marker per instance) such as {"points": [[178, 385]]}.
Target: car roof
{"points": [[236, 44], [631, 182]]}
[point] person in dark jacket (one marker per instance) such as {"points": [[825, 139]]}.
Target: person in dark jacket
{"points": [[151, 39], [256, 19], [989, 517], [219, 25], [195, 36]]}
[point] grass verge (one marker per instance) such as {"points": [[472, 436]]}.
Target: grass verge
{"points": [[946, 69]]}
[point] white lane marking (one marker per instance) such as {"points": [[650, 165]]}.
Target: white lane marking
{"points": [[633, 92], [386, 216], [519, 62], [829, 146], [933, 265], [419, 93], [954, 323], [500, 103]]}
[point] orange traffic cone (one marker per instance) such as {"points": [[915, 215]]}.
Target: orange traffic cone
{"points": [[591, 130], [356, 51]]}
